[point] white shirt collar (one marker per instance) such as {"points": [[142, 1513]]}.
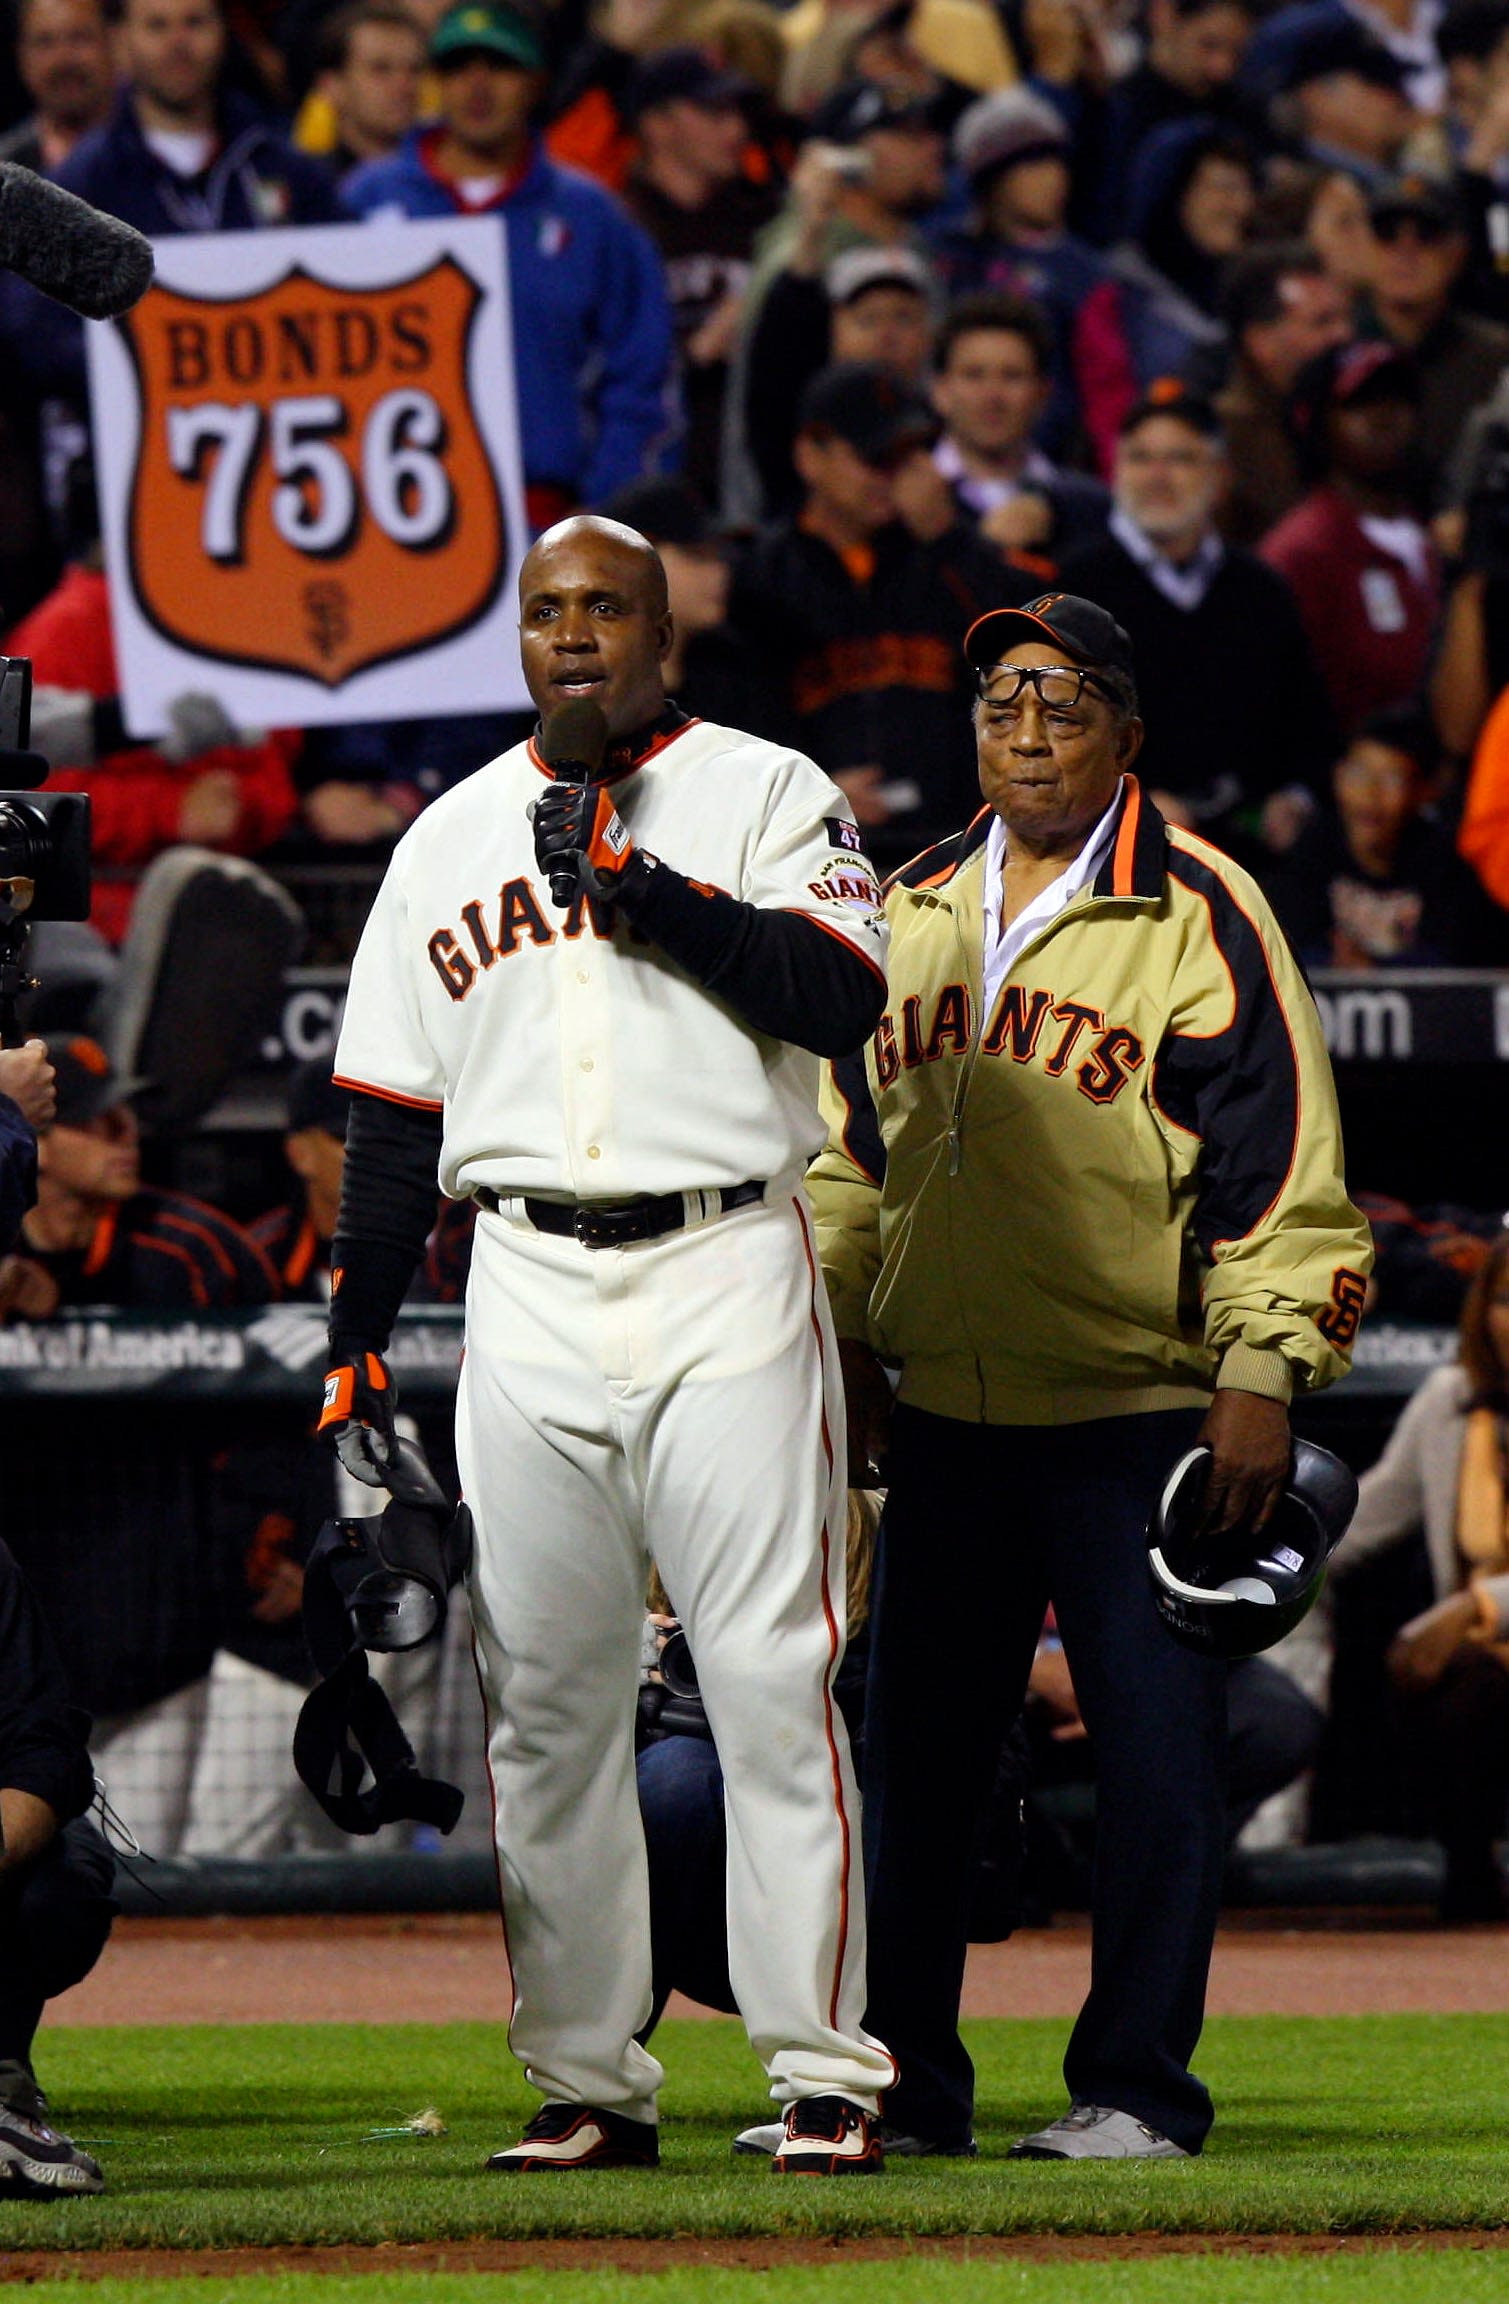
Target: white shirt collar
{"points": [[1185, 586], [1002, 945], [984, 495]]}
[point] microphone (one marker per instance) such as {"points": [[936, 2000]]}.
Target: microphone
{"points": [[93, 263], [573, 744]]}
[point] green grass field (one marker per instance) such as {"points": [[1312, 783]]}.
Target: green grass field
{"points": [[1390, 2277], [259, 2136]]}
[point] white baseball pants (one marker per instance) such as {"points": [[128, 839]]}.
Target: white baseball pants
{"points": [[681, 1399]]}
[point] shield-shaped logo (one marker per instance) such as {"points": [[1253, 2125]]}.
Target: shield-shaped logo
{"points": [[312, 491]]}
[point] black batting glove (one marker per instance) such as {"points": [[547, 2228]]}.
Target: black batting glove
{"points": [[360, 1399], [359, 1404], [579, 823]]}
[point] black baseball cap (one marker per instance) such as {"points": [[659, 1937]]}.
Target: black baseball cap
{"points": [[1324, 45], [1167, 396], [1428, 199], [873, 410], [88, 1083], [1367, 369], [683, 76], [859, 106], [314, 1100], [665, 511], [1087, 634]]}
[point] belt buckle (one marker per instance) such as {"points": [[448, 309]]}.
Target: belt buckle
{"points": [[607, 1227]]}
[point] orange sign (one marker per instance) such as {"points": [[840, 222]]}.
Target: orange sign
{"points": [[313, 491]]}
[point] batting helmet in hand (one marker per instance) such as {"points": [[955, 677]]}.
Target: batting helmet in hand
{"points": [[1240, 1592]]}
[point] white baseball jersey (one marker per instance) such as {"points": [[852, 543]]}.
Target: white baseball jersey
{"points": [[570, 1058]]}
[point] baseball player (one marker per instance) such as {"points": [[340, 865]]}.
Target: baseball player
{"points": [[626, 1084]]}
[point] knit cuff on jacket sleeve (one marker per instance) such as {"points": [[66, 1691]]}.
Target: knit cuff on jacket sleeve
{"points": [[1246, 1368]]}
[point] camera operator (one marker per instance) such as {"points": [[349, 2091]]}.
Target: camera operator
{"points": [[55, 1881], [55, 1870], [28, 1100]]}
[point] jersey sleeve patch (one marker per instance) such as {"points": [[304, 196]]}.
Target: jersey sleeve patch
{"points": [[851, 883], [844, 834]]}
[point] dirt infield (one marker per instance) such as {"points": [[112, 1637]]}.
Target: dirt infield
{"points": [[682, 2255], [440, 1969]]}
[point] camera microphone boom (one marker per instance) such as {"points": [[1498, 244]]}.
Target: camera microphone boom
{"points": [[93, 263]]}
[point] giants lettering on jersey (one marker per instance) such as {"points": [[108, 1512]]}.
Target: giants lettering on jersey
{"points": [[1066, 1037], [516, 919]]}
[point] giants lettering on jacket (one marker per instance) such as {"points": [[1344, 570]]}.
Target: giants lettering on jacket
{"points": [[1068, 1038]]}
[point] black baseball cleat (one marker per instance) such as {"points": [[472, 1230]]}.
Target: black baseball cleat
{"points": [[37, 2161], [579, 2136], [828, 2136]]}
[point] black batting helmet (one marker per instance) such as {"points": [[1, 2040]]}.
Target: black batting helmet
{"points": [[1238, 1593]]}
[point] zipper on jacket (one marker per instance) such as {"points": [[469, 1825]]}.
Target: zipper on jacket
{"points": [[967, 1069]]}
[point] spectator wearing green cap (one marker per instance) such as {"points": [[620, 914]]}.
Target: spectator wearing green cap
{"points": [[592, 324]]}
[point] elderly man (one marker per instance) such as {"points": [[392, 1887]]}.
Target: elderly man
{"points": [[1084, 1192], [1209, 626]]}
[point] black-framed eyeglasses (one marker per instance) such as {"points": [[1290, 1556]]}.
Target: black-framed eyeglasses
{"points": [[1058, 687]]}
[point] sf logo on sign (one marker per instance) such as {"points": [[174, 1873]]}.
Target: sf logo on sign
{"points": [[313, 493]]}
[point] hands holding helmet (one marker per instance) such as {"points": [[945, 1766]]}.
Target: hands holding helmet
{"points": [[358, 1414], [1250, 1451]]}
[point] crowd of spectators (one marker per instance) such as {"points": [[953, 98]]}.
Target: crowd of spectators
{"points": [[873, 315], [898, 312]]}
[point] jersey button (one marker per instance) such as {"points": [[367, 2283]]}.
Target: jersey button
{"points": [[586, 1063], [584, 975], [594, 1152]]}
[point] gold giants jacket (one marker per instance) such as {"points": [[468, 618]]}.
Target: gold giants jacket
{"points": [[1122, 1187]]}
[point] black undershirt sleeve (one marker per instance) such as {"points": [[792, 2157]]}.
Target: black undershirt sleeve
{"points": [[389, 1194], [780, 971]]}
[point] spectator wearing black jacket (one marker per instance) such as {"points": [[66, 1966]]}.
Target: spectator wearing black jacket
{"points": [[1234, 708], [1194, 51], [873, 305], [860, 603], [55, 1880], [1374, 880], [690, 191], [712, 672]]}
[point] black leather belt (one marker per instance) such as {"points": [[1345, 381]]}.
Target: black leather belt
{"points": [[618, 1224]]}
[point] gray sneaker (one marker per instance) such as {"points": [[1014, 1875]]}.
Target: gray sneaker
{"points": [[898, 2146], [1096, 2132], [36, 2159]]}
